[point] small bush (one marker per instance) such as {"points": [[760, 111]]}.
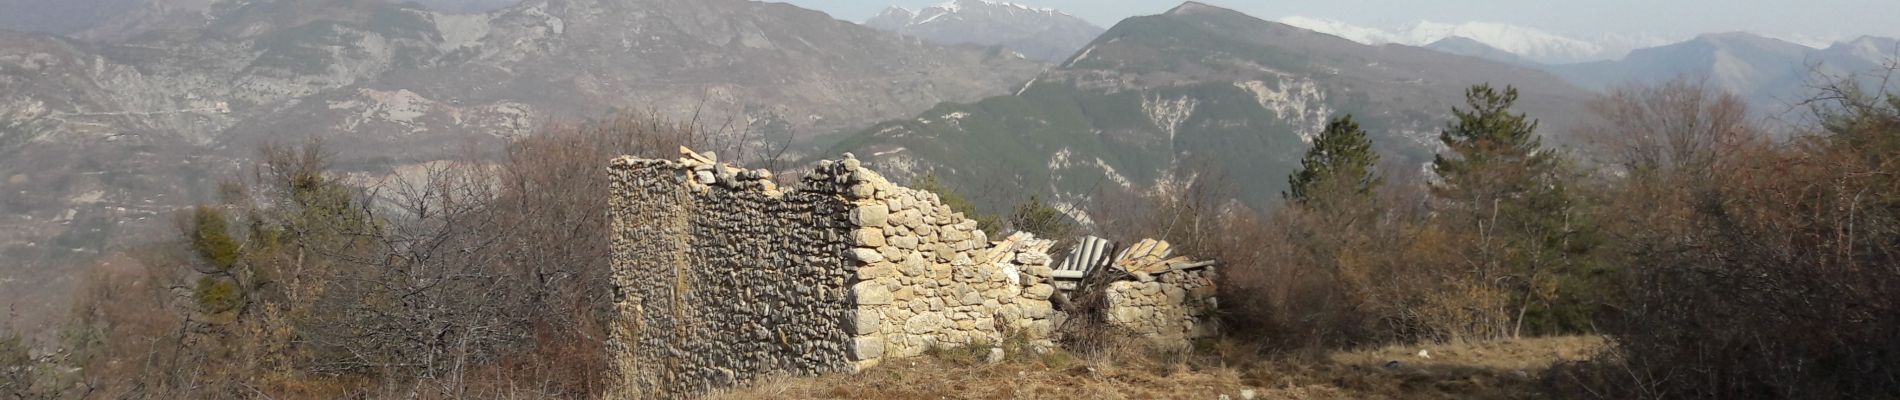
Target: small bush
{"points": [[216, 295]]}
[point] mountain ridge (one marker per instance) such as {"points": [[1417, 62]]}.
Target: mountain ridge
{"points": [[1527, 43], [1156, 100], [1772, 74], [1044, 34], [102, 133]]}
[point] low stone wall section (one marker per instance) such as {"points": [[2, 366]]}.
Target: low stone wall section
{"points": [[1171, 308]]}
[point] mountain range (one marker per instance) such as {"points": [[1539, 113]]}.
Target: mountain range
{"points": [[1162, 99], [98, 136], [1772, 74], [1530, 44], [1039, 33]]}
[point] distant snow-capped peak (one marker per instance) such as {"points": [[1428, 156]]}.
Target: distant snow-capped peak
{"points": [[1530, 43], [1039, 33], [956, 7]]}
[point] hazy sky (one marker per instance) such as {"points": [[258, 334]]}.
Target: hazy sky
{"points": [[1672, 19]]}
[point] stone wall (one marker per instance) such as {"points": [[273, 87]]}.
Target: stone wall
{"points": [[722, 279], [929, 278], [1171, 308]]}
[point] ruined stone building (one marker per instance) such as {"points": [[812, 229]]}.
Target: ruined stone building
{"points": [[722, 278]]}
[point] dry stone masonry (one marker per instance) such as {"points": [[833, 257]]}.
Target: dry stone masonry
{"points": [[721, 278]]}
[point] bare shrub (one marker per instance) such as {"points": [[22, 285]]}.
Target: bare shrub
{"points": [[484, 276], [1680, 126], [1775, 279]]}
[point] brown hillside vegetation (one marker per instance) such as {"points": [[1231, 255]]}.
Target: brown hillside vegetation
{"points": [[1504, 369]]}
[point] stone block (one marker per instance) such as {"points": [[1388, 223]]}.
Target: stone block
{"points": [[1128, 315], [909, 218], [1032, 258], [874, 215], [1037, 309], [868, 237], [904, 242], [914, 266], [920, 307], [870, 293], [1039, 291], [867, 347], [940, 271], [893, 254], [927, 323], [867, 256], [971, 298], [875, 271], [863, 321], [1175, 295]]}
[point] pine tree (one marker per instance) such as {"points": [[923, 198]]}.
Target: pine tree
{"points": [[1494, 153], [1501, 181], [1342, 151]]}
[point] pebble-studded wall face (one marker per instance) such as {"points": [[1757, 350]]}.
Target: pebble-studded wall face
{"points": [[723, 279]]}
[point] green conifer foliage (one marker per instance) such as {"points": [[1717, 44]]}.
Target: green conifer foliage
{"points": [[1342, 152], [1501, 183]]}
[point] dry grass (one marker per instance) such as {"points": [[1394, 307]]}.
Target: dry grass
{"points": [[1495, 370]]}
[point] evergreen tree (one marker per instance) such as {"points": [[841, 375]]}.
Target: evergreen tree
{"points": [[1499, 180], [1494, 152], [1342, 152]]}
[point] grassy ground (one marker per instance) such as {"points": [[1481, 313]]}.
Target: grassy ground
{"points": [[1510, 369]]}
